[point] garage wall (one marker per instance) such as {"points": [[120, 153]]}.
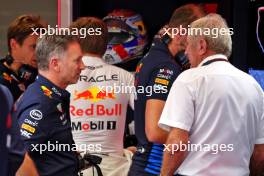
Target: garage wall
{"points": [[10, 9]]}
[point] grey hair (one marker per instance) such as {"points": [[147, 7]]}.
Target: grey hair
{"points": [[219, 42], [49, 46]]}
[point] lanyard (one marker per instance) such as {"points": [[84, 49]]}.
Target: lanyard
{"points": [[214, 60]]}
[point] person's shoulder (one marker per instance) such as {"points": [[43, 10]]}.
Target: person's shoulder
{"points": [[37, 94], [7, 96], [34, 99], [159, 62], [168, 68], [243, 76], [158, 49], [119, 70], [250, 80], [156, 60], [190, 75], [4, 81], [4, 90], [32, 90]]}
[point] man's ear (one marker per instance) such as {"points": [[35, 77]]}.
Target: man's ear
{"points": [[54, 64], [175, 39], [202, 46], [179, 41], [13, 44]]}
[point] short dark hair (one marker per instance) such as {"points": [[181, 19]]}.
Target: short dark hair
{"points": [[52, 45], [95, 44], [21, 28], [185, 15]]}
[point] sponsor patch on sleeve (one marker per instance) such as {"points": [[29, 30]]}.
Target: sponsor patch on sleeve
{"points": [[162, 81], [46, 91], [28, 127], [25, 133], [35, 114]]}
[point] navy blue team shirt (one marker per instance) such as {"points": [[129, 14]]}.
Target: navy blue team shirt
{"points": [[6, 103], [10, 80], [43, 118], [158, 70]]}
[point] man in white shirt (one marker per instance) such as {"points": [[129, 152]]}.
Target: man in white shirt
{"points": [[98, 105], [214, 112]]}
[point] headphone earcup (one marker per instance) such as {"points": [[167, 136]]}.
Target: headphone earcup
{"points": [[166, 39], [9, 59]]}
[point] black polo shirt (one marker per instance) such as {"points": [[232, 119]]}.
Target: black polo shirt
{"points": [[157, 69], [44, 120]]}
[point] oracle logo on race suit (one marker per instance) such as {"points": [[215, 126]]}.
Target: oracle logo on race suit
{"points": [[96, 110], [93, 125], [100, 78]]}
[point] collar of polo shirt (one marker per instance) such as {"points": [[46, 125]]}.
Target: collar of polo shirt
{"points": [[212, 57]]}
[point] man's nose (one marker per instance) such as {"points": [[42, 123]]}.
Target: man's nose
{"points": [[82, 67]]}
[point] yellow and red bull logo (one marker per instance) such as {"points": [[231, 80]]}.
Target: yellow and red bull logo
{"points": [[7, 77], [94, 94], [139, 67], [46, 91]]}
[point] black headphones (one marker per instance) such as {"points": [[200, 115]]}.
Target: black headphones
{"points": [[180, 57], [9, 59], [26, 73]]}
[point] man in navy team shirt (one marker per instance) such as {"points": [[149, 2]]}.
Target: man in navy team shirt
{"points": [[158, 70], [43, 110]]}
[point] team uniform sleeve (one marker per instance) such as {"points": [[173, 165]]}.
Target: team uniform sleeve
{"points": [[15, 91], [160, 83], [179, 108], [32, 126], [260, 131]]}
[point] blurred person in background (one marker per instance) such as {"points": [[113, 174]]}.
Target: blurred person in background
{"points": [[18, 69]]}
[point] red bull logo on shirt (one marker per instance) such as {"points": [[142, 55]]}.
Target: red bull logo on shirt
{"points": [[94, 94], [46, 91], [96, 110]]}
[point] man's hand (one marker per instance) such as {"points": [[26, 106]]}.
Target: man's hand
{"points": [[132, 149]]}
